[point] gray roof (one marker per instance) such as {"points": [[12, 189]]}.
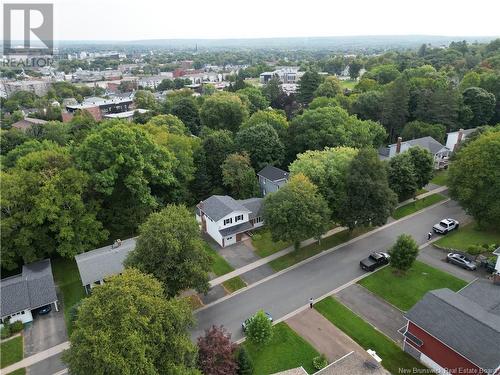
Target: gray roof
{"points": [[98, 264], [218, 206], [254, 205], [465, 131], [274, 174], [243, 227], [484, 293], [428, 143], [33, 288], [461, 324]]}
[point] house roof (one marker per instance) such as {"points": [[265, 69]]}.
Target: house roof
{"points": [[464, 132], [27, 122], [353, 364], [461, 324], [240, 228], [218, 206], [100, 263], [428, 143], [272, 173], [33, 288], [254, 205], [484, 293]]}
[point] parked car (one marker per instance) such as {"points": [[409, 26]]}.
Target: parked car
{"points": [[374, 261], [445, 226], [461, 260], [245, 324], [45, 310]]}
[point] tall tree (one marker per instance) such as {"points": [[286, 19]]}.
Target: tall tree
{"points": [[395, 107], [419, 129], [329, 88], [423, 164], [308, 84], [273, 117], [216, 352], [263, 145], [239, 176], [370, 201], [145, 100], [127, 327], [403, 253], [296, 211], [368, 105], [172, 123], [217, 145], [223, 111], [170, 248], [402, 176], [256, 99], [186, 109], [474, 178], [44, 209], [273, 92], [481, 103]]}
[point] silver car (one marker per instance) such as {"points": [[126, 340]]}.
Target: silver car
{"points": [[461, 261]]}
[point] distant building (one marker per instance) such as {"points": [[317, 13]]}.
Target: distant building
{"points": [[96, 265], [271, 179], [32, 289], [226, 219], [286, 75], [128, 115], [440, 153], [37, 87], [99, 107], [453, 139], [81, 75]]}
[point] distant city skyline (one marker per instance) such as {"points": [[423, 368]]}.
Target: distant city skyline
{"points": [[222, 19]]}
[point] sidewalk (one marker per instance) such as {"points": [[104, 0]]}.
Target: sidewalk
{"points": [[35, 358], [270, 258], [431, 192]]}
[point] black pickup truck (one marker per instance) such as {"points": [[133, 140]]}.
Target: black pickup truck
{"points": [[374, 261]]}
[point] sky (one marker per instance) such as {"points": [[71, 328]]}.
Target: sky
{"points": [[213, 19]]}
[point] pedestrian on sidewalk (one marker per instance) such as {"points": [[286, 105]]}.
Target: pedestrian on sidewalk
{"points": [[429, 236], [311, 301]]}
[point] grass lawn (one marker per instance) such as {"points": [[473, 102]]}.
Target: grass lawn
{"points": [[417, 205], [308, 251], [12, 351], [264, 245], [349, 84], [286, 350], [469, 235], [393, 357], [234, 284], [406, 290], [440, 178], [67, 277]]}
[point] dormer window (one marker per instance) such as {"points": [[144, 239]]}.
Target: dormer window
{"points": [[238, 218], [228, 221]]}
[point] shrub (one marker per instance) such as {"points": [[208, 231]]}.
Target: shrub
{"points": [[320, 362], [245, 365], [16, 327], [259, 329], [403, 253], [475, 250], [5, 333]]}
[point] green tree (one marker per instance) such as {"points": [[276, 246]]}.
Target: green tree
{"points": [[308, 84], [171, 122], [255, 97], [403, 253], [10, 139], [331, 126], [296, 211], [419, 129], [128, 327], [126, 167], [370, 201], [273, 117], [170, 248], [368, 105], [402, 176], [471, 79], [43, 209], [395, 107], [354, 68], [423, 164], [474, 178], [329, 88], [145, 100], [384, 74], [481, 103], [239, 176], [327, 169], [260, 329], [223, 111], [262, 144], [186, 109], [273, 92], [245, 365], [217, 145]]}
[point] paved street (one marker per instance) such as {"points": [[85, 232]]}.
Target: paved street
{"points": [[292, 289]]}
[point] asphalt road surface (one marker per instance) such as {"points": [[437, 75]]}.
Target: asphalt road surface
{"points": [[291, 290]]}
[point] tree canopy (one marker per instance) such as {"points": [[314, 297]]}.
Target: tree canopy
{"points": [[223, 111], [239, 177]]}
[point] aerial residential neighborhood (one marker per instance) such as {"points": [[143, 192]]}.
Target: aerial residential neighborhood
{"points": [[221, 188]]}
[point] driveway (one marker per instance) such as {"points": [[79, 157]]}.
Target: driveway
{"points": [[290, 290], [385, 317], [45, 332]]}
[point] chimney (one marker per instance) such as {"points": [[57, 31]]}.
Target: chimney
{"points": [[398, 145], [459, 139]]}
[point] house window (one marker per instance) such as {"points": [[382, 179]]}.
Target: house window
{"points": [[238, 218], [258, 219], [228, 221], [229, 238]]}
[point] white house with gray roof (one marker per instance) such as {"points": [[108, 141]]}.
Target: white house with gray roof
{"points": [[32, 289], [271, 179], [226, 219], [96, 265]]}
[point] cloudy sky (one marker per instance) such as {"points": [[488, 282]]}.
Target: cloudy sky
{"points": [[148, 19]]}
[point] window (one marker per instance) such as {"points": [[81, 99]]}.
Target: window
{"points": [[229, 238], [238, 218], [228, 221], [258, 219]]}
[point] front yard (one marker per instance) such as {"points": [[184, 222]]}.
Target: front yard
{"points": [[220, 267], [406, 290], [264, 245], [417, 205], [394, 359], [286, 350], [11, 351], [469, 235], [440, 178], [67, 278]]}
